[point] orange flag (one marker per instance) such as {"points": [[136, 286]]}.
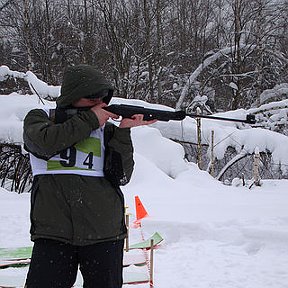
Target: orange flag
{"points": [[140, 210]]}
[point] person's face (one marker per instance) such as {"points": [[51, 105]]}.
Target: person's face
{"points": [[85, 102]]}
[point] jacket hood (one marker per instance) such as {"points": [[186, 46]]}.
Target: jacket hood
{"points": [[82, 81]]}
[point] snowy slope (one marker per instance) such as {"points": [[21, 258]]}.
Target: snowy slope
{"points": [[215, 235]]}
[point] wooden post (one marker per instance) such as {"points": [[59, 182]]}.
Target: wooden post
{"points": [[212, 162], [151, 263], [243, 179], [256, 163], [199, 147], [127, 226]]}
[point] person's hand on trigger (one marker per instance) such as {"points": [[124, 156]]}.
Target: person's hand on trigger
{"points": [[102, 114]]}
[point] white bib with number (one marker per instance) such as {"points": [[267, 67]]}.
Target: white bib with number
{"points": [[84, 158]]}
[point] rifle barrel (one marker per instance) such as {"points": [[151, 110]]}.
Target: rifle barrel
{"points": [[250, 119]]}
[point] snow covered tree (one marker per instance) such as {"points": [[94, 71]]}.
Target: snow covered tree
{"points": [[155, 50]]}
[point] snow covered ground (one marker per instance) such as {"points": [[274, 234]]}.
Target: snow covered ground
{"points": [[216, 236]]}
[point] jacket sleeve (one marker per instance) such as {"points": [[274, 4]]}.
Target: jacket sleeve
{"points": [[119, 161], [44, 138]]}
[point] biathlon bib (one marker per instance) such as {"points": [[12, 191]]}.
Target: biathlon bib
{"points": [[85, 158]]}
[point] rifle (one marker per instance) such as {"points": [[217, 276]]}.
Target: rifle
{"points": [[127, 111]]}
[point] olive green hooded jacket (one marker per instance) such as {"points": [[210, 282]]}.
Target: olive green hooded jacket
{"points": [[79, 210]]}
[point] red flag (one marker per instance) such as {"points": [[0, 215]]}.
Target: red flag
{"points": [[140, 210]]}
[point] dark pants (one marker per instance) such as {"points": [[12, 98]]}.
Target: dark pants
{"points": [[54, 264]]}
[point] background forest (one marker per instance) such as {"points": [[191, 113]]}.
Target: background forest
{"points": [[217, 54]]}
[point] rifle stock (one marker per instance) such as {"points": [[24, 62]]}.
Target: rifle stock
{"points": [[127, 111]]}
